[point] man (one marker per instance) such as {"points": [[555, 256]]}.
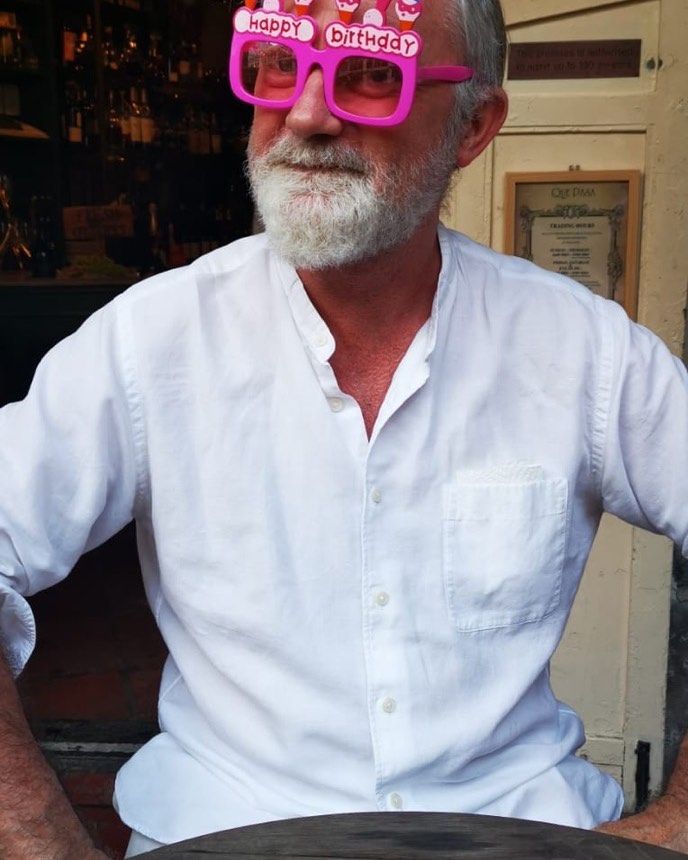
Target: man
{"points": [[367, 458]]}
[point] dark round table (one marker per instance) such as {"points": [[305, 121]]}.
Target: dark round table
{"points": [[410, 836]]}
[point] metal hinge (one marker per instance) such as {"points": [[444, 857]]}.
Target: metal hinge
{"points": [[642, 775]]}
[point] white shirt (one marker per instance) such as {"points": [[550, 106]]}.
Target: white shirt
{"points": [[353, 625]]}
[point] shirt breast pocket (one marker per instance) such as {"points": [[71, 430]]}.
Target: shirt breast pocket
{"points": [[504, 545]]}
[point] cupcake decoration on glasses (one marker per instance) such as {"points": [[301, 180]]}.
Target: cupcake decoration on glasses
{"points": [[346, 9], [407, 13], [302, 7]]}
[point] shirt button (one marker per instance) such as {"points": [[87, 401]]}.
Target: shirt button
{"points": [[382, 598], [389, 705], [395, 800], [376, 496], [336, 404], [321, 340]]}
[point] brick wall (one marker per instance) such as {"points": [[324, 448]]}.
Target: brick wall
{"points": [[90, 688]]}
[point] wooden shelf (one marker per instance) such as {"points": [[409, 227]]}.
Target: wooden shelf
{"points": [[21, 281], [24, 133], [23, 3]]}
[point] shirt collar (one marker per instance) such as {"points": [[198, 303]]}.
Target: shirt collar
{"points": [[315, 333]]}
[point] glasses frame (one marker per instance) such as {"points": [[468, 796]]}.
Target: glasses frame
{"points": [[328, 59]]}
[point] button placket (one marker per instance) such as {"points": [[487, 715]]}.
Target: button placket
{"points": [[382, 657]]}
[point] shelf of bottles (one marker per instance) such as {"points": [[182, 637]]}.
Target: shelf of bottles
{"points": [[16, 48], [23, 70], [149, 121], [28, 138]]}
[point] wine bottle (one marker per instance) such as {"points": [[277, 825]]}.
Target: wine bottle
{"points": [[131, 60], [75, 132], [157, 255], [146, 120], [43, 257], [215, 136], [125, 120], [69, 37], [172, 66], [84, 47], [9, 31], [135, 127], [114, 123], [155, 62], [175, 255], [90, 128], [205, 134], [196, 62], [184, 61], [110, 53]]}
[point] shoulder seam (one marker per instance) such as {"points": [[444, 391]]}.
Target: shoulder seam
{"points": [[482, 254], [601, 408]]}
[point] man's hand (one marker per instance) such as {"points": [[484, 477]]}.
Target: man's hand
{"points": [[664, 823]]}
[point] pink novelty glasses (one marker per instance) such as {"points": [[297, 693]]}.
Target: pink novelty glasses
{"points": [[370, 71]]}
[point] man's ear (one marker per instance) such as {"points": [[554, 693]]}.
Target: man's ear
{"points": [[483, 128]]}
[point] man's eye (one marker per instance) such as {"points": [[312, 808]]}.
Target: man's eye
{"points": [[272, 59], [369, 75], [283, 63], [279, 61], [381, 74]]}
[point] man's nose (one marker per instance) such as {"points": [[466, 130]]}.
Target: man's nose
{"points": [[310, 115]]}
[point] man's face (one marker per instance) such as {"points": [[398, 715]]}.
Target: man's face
{"points": [[332, 192]]}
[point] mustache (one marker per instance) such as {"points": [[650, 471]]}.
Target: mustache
{"points": [[291, 152]]}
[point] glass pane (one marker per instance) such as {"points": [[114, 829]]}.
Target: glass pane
{"points": [[268, 70]]}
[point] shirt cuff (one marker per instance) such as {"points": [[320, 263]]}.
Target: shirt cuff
{"points": [[17, 629]]}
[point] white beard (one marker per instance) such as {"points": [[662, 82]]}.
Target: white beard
{"points": [[344, 209]]}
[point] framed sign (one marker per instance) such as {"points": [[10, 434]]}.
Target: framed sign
{"points": [[584, 225], [591, 58], [98, 222]]}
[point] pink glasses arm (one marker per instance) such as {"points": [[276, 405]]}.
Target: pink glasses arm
{"points": [[457, 74]]}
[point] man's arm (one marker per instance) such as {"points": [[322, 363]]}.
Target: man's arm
{"points": [[664, 822], [36, 819], [644, 460], [68, 483]]}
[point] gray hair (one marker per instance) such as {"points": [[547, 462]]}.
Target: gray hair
{"points": [[479, 30]]}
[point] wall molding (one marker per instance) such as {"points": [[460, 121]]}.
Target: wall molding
{"points": [[523, 11]]}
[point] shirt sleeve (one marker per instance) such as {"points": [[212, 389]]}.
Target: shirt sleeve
{"points": [[69, 470], [644, 450]]}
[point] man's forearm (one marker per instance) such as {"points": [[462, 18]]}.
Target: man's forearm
{"points": [[665, 821], [36, 819], [677, 786]]}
